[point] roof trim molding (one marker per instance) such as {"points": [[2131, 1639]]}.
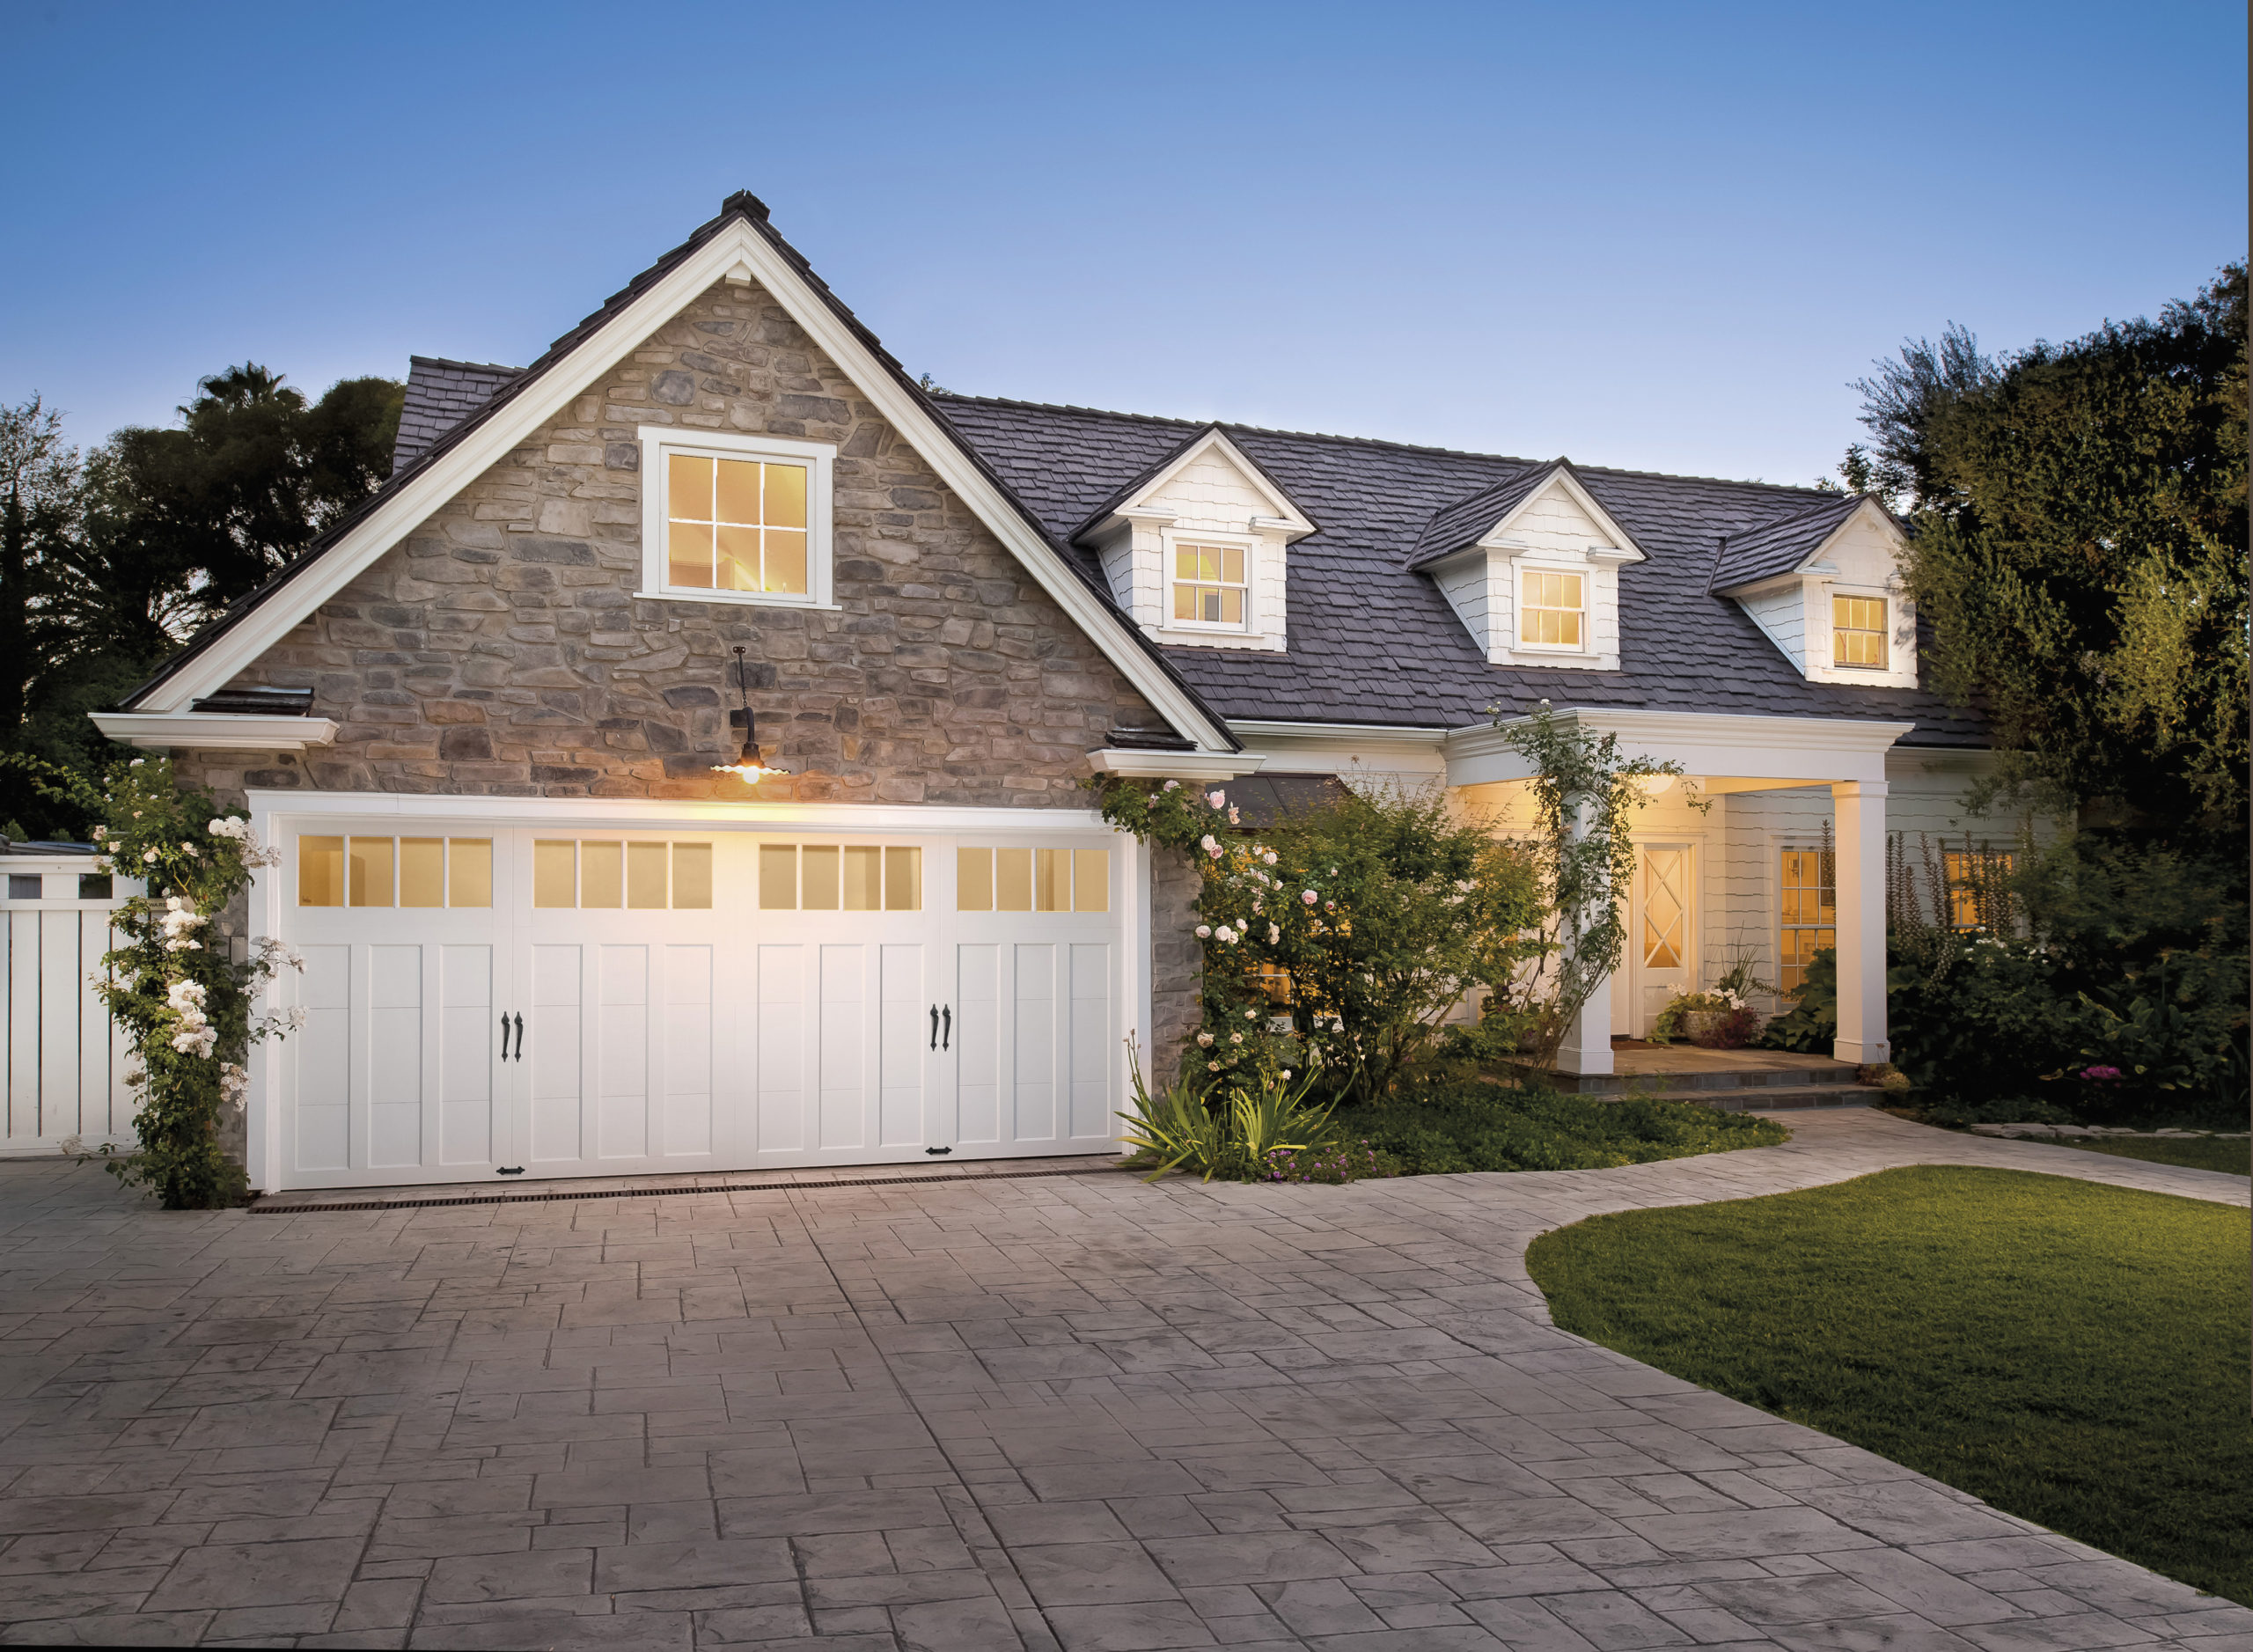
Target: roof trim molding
{"points": [[737, 244], [215, 732], [1561, 474], [1812, 562], [1288, 521], [1131, 763], [1798, 750]]}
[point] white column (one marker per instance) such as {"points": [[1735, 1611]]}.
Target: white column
{"points": [[1587, 1047], [1860, 808]]}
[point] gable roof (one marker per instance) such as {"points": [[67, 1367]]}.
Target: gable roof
{"points": [[1779, 547], [1212, 436], [740, 244], [1459, 527], [1372, 641], [440, 394]]}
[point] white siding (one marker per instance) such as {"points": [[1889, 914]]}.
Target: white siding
{"points": [[1782, 614]]}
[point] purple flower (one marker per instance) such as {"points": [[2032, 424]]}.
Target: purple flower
{"points": [[2100, 1075]]}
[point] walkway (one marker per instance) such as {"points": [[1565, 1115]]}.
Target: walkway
{"points": [[978, 1414]]}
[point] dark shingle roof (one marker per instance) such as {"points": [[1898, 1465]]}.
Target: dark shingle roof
{"points": [[1780, 545], [440, 394], [1372, 641], [1458, 527]]}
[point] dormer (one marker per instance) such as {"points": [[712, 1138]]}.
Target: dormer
{"points": [[1824, 584], [1531, 567], [1195, 550]]}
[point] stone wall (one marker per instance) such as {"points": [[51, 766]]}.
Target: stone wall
{"points": [[1177, 961], [500, 649]]}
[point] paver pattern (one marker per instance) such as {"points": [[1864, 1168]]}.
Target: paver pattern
{"points": [[1076, 1411]]}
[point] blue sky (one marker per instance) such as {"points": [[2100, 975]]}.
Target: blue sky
{"points": [[1656, 236]]}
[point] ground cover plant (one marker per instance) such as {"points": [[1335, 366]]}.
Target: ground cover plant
{"points": [[2072, 1353], [1474, 1125], [2232, 1154]]}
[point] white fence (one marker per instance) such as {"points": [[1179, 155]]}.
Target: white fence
{"points": [[66, 1061]]}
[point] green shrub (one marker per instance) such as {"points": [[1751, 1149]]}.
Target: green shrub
{"points": [[1475, 1125]]}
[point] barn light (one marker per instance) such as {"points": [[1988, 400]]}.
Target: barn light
{"points": [[748, 765]]}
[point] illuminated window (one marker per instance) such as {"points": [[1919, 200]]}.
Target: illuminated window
{"points": [[839, 877], [735, 525], [364, 871], [599, 874], [1208, 585], [1810, 916], [1858, 632], [731, 518], [1553, 609], [1977, 897], [1666, 907], [1031, 880]]}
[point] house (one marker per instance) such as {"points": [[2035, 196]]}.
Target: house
{"points": [[565, 913]]}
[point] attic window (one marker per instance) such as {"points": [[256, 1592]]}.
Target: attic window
{"points": [[1208, 585], [1858, 632], [731, 518], [1554, 607]]}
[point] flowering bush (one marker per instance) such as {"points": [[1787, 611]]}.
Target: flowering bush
{"points": [[174, 984], [1720, 1019], [1332, 1167], [1356, 926]]}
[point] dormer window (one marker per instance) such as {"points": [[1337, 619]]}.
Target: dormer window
{"points": [[1196, 550], [1208, 585], [1858, 632], [1555, 610]]}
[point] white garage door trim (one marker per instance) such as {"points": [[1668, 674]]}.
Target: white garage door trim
{"points": [[1096, 968]]}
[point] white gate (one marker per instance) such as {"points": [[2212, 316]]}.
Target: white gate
{"points": [[66, 1061]]}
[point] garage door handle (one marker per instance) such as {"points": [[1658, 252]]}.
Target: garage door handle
{"points": [[504, 1035], [934, 1026], [520, 1037], [946, 1039]]}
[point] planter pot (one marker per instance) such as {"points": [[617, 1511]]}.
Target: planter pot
{"points": [[1719, 1029]]}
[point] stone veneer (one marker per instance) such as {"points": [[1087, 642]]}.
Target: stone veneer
{"points": [[500, 649]]}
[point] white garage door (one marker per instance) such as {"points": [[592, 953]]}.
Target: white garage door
{"points": [[498, 1001]]}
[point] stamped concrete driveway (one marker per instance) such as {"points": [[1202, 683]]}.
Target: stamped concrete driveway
{"points": [[1076, 1410]]}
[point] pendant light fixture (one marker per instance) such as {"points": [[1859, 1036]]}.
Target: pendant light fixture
{"points": [[748, 766]]}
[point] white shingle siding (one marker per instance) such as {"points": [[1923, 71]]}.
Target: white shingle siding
{"points": [[1782, 614]]}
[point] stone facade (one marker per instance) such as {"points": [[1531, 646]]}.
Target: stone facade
{"points": [[502, 648], [1176, 960]]}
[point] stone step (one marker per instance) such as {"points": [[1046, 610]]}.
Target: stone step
{"points": [[1701, 1083], [1783, 1099]]}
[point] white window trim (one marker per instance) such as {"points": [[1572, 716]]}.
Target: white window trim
{"points": [[1520, 568], [1820, 635], [818, 457], [1169, 539], [1832, 591]]}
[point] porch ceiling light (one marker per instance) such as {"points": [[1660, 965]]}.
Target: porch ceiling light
{"points": [[747, 765], [1653, 785]]}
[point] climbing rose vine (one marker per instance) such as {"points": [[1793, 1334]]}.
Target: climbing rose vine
{"points": [[174, 984]]}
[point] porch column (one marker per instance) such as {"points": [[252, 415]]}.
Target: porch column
{"points": [[1587, 1047], [1859, 809]]}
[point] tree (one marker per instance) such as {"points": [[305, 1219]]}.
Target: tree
{"points": [[252, 476], [2079, 553]]}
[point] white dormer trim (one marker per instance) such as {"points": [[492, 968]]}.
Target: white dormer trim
{"points": [[1210, 492], [1860, 557], [1485, 583]]}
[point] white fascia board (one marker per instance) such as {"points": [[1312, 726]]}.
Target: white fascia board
{"points": [[1781, 749], [1286, 516], [1143, 765], [735, 245], [1621, 539], [840, 820], [214, 731]]}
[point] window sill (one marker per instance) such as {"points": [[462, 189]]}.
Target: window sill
{"points": [[740, 600], [1214, 636]]}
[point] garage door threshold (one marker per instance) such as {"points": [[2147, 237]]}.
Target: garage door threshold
{"points": [[286, 1204]]}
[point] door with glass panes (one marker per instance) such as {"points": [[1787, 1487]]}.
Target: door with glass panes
{"points": [[1662, 933]]}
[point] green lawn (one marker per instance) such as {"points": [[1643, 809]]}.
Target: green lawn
{"points": [[2200, 1152], [2073, 1353], [1473, 1126]]}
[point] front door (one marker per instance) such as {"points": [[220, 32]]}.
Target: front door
{"points": [[1661, 937]]}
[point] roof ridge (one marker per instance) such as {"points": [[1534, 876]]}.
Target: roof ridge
{"points": [[1390, 443], [449, 361]]}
